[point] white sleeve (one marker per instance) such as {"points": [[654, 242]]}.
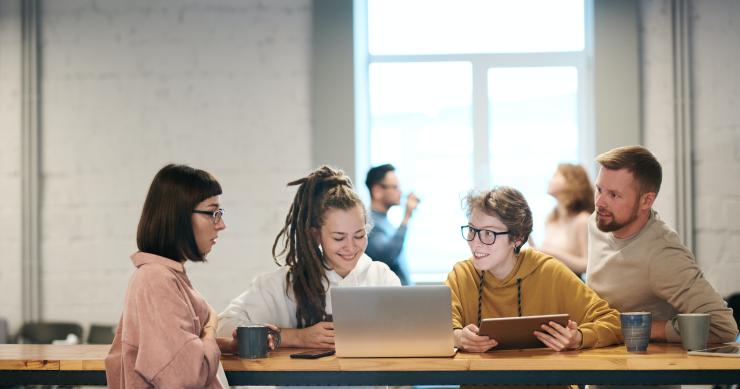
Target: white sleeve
{"points": [[264, 302]]}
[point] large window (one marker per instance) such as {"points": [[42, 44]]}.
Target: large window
{"points": [[468, 95]]}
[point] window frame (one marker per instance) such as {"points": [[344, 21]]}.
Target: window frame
{"points": [[481, 63]]}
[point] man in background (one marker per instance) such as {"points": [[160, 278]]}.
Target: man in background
{"points": [[385, 241], [635, 261]]}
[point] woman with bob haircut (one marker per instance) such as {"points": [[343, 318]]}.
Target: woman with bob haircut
{"points": [[323, 242], [166, 335], [566, 228], [501, 279]]}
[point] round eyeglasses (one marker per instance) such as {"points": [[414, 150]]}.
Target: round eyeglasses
{"points": [[485, 236], [215, 215]]}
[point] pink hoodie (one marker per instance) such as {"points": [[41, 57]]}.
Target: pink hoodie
{"points": [[158, 342]]}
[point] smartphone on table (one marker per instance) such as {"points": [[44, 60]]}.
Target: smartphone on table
{"points": [[312, 354]]}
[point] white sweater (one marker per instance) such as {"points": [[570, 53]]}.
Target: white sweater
{"points": [[266, 300]]}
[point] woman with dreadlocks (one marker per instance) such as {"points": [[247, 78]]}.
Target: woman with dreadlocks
{"points": [[323, 245], [502, 279]]}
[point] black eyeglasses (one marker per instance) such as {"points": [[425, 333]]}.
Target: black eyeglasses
{"points": [[485, 236], [215, 215]]}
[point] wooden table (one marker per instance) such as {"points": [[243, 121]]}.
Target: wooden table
{"points": [[52, 364], [661, 364]]}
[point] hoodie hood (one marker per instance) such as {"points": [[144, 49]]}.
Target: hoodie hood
{"points": [[357, 273], [526, 264], [353, 278]]}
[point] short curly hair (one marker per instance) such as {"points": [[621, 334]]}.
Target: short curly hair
{"points": [[508, 205]]}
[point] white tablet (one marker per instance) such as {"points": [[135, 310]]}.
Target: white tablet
{"points": [[517, 332], [727, 350]]}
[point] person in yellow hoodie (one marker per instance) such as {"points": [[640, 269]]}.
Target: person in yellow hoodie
{"points": [[502, 279]]}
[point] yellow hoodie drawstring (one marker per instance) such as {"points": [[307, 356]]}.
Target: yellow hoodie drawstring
{"points": [[480, 296], [519, 295]]}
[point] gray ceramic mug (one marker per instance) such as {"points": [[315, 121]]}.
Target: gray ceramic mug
{"points": [[694, 330], [253, 340]]}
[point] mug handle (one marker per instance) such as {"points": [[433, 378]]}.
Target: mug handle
{"points": [[275, 336], [674, 324]]}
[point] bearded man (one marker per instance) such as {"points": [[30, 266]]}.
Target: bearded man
{"points": [[635, 261]]}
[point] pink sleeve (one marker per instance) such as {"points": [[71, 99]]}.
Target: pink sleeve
{"points": [[194, 366], [170, 350]]}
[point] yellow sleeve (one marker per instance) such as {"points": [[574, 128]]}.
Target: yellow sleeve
{"points": [[598, 322], [457, 310]]}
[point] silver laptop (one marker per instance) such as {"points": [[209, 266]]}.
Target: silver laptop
{"points": [[392, 321]]}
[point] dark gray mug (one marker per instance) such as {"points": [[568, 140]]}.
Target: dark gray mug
{"points": [[253, 341]]}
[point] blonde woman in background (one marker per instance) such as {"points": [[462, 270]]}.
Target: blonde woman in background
{"points": [[566, 228]]}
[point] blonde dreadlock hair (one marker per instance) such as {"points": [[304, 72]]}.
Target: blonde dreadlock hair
{"points": [[325, 188]]}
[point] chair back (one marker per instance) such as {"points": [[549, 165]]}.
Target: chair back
{"points": [[46, 333], [101, 334], [3, 331]]}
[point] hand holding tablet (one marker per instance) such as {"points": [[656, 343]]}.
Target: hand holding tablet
{"points": [[519, 332], [560, 338], [470, 340]]}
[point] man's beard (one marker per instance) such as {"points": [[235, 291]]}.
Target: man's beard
{"points": [[614, 225]]}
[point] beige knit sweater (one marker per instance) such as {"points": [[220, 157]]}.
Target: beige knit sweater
{"points": [[654, 272]]}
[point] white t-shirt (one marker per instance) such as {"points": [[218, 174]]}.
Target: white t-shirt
{"points": [[266, 300]]}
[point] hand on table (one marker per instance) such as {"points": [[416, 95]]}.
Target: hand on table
{"points": [[273, 341], [319, 335]]}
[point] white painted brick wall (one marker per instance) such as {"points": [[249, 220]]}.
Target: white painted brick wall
{"points": [[657, 98], [10, 167], [716, 87], [130, 86], [716, 32]]}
